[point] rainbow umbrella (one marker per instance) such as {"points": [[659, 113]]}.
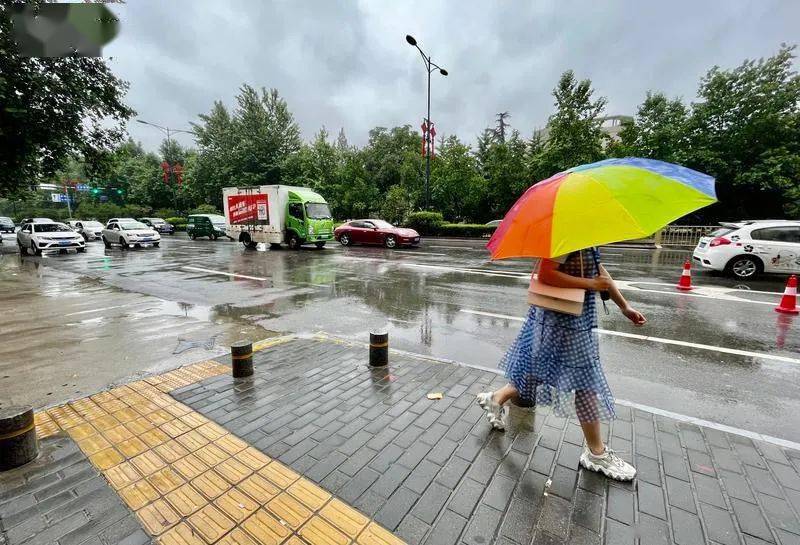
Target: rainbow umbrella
{"points": [[599, 203]]}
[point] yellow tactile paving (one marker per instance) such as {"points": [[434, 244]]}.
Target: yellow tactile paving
{"points": [[211, 454], [191, 482], [139, 494], [165, 480], [232, 470], [190, 466], [289, 510], [309, 494], [122, 475], [238, 537], [148, 462], [236, 504], [319, 532], [158, 517], [92, 444], [211, 523], [230, 444], [186, 500], [279, 474], [117, 434], [258, 487], [181, 534], [266, 529], [210, 484], [377, 535], [344, 517], [106, 459], [253, 458], [131, 447]]}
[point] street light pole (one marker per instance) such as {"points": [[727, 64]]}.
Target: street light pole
{"points": [[431, 67], [167, 130]]}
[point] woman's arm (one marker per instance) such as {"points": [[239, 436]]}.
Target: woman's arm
{"points": [[550, 275], [633, 315]]}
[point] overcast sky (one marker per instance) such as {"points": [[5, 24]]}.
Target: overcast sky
{"points": [[346, 64]]}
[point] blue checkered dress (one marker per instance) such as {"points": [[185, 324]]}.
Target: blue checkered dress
{"points": [[555, 359]]}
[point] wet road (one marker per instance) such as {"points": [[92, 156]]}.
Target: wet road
{"points": [[76, 322]]}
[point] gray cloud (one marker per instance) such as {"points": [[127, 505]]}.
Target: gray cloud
{"points": [[346, 64]]}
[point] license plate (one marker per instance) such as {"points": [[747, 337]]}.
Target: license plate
{"points": [[64, 243], [702, 245], [145, 239]]}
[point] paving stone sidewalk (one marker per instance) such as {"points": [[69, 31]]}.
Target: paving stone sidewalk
{"points": [[433, 472], [430, 471]]}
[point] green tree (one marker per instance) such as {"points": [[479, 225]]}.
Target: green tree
{"points": [[573, 134], [458, 190], [659, 131], [745, 131], [51, 108]]}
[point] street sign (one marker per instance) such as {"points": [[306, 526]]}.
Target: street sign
{"points": [[56, 197], [82, 187]]}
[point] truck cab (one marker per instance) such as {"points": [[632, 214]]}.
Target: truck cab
{"points": [[276, 215]]}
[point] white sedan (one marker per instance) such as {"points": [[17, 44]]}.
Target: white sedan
{"points": [[128, 232], [48, 236]]}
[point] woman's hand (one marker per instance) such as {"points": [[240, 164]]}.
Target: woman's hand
{"points": [[634, 316], [602, 283]]}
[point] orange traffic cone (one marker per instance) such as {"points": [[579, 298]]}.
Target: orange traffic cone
{"points": [[685, 282], [789, 300]]}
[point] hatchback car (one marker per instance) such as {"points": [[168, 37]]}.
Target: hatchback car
{"points": [[205, 225], [748, 248], [127, 232], [375, 232], [6, 225], [159, 225], [89, 229], [38, 236]]}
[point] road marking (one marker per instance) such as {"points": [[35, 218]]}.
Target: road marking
{"points": [[702, 292], [233, 275], [661, 340], [654, 410]]}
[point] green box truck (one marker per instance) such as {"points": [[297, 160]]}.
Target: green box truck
{"points": [[277, 214]]}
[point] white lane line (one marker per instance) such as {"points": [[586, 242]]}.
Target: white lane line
{"points": [[654, 410], [233, 275], [715, 288], [713, 425], [701, 292], [104, 308], [662, 340]]}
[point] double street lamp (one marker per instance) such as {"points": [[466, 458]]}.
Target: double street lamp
{"points": [[168, 131], [431, 67]]}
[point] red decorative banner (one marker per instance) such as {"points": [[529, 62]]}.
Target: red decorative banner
{"points": [[247, 208]]}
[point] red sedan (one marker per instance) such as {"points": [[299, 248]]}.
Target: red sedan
{"points": [[375, 232]]}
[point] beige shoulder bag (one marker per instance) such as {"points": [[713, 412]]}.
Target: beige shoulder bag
{"points": [[565, 300]]}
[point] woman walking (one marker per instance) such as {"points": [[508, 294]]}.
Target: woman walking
{"points": [[555, 360]]}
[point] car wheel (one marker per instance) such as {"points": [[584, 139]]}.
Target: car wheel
{"points": [[35, 250], [22, 249], [320, 244], [81, 250], [156, 244], [745, 267], [192, 236], [123, 244], [213, 236], [294, 242], [274, 246], [85, 237], [390, 241], [344, 240], [106, 243]]}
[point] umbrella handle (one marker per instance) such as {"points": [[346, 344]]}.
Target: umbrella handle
{"points": [[604, 295]]}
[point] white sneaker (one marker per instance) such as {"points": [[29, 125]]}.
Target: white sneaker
{"points": [[494, 411], [609, 464]]}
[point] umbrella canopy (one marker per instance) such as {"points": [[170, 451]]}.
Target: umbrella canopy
{"points": [[599, 203]]}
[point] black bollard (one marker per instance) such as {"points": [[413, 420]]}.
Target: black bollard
{"points": [[378, 348], [18, 442], [242, 359]]}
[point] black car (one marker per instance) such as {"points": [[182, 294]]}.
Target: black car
{"points": [[6, 225], [159, 225]]}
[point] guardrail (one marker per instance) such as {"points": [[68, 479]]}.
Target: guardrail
{"points": [[682, 235]]}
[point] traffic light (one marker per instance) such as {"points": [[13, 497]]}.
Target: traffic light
{"points": [[119, 191], [95, 190]]}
